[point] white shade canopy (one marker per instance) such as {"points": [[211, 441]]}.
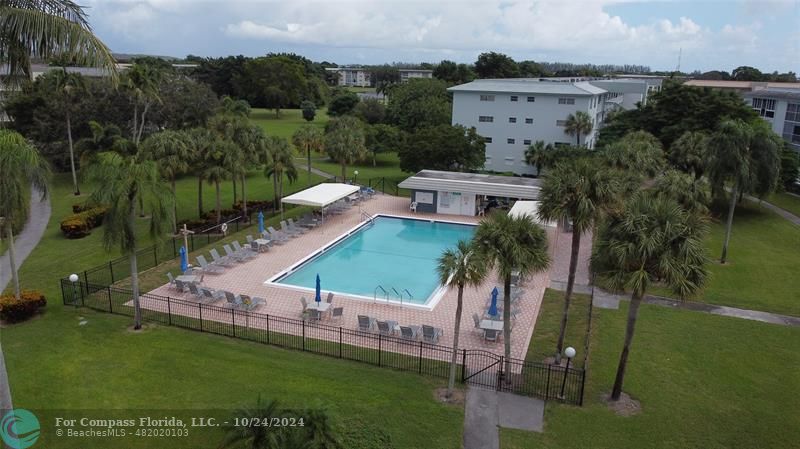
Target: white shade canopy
{"points": [[321, 195], [531, 210]]}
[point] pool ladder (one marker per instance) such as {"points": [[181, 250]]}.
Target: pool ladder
{"points": [[386, 294], [365, 216]]}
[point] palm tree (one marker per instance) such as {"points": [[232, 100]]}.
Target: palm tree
{"points": [[200, 141], [540, 155], [637, 152], [280, 165], [142, 82], [171, 151], [692, 193], [308, 138], [511, 244], [239, 108], [459, 267], [216, 168], [344, 142], [103, 138], [20, 166], [688, 153], [120, 182], [653, 239], [253, 145], [68, 85], [256, 437], [577, 124], [747, 158], [580, 191], [44, 30]]}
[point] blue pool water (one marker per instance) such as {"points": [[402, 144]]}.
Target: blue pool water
{"points": [[391, 252]]}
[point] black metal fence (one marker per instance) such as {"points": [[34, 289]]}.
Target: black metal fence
{"points": [[475, 367]]}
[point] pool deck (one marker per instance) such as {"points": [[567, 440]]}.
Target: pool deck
{"points": [[249, 277]]}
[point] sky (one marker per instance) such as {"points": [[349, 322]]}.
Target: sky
{"points": [[704, 35]]}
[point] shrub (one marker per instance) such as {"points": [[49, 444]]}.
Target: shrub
{"points": [[80, 224], [14, 311]]}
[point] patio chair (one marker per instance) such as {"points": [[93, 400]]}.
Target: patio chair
{"points": [[296, 226], [276, 236], [193, 289], [329, 299], [210, 295], [233, 300], [413, 207], [410, 333], [258, 300], [477, 320], [250, 239], [207, 267], [365, 323], [304, 302], [180, 286], [171, 279], [247, 252], [290, 232], [308, 220], [431, 334], [337, 314], [386, 328], [248, 303], [219, 260], [491, 335], [314, 315], [231, 254]]}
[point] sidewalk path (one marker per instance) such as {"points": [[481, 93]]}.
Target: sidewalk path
{"points": [[314, 170], [778, 210], [24, 243], [488, 410]]}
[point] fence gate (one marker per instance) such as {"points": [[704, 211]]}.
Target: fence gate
{"points": [[482, 369]]}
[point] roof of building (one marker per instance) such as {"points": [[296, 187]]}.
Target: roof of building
{"points": [[415, 70], [528, 86], [321, 194], [741, 84], [790, 94], [475, 183]]}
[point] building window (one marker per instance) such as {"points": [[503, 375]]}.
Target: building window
{"points": [[561, 144], [514, 98], [487, 97], [486, 118], [488, 160], [566, 100], [526, 141], [765, 107], [510, 141], [529, 121], [531, 99], [791, 132], [561, 123], [793, 112], [512, 120], [487, 139], [509, 161]]}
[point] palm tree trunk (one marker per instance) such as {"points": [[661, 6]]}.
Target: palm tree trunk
{"points": [[174, 208], [729, 224], [12, 260], [507, 321], [578, 135], [275, 191], [633, 312], [219, 203], [280, 195], [451, 382], [137, 309], [141, 125], [308, 155], [344, 171], [244, 196], [77, 190], [135, 119], [200, 197], [235, 191], [374, 162], [573, 266]]}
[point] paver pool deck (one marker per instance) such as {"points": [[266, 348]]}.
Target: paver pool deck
{"points": [[281, 300]]}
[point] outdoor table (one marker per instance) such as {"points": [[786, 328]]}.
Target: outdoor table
{"points": [[321, 306], [262, 243], [491, 325], [188, 278]]}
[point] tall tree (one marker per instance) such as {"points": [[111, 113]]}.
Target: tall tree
{"points": [[31, 29], [652, 239], [231, 106], [21, 166], [459, 267], [443, 147], [371, 110], [382, 138], [344, 142], [200, 141], [638, 152], [68, 85], [252, 142], [419, 103], [171, 151], [580, 191], [510, 244], [496, 65], [693, 194], [746, 158], [308, 138], [578, 124], [142, 82], [280, 166], [342, 103], [217, 167], [540, 155], [688, 153], [309, 110], [120, 182]]}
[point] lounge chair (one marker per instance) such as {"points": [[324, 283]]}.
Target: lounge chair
{"points": [[233, 300], [180, 286], [289, 231], [247, 252], [491, 334], [250, 239], [258, 300], [304, 302], [431, 334], [296, 227], [337, 314], [329, 299], [386, 328], [477, 320], [249, 303], [193, 289], [276, 236], [219, 260], [171, 279], [309, 221], [409, 333], [233, 255], [365, 323], [211, 295], [207, 267]]}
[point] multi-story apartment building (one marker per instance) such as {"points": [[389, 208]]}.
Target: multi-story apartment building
{"points": [[781, 108], [361, 76], [511, 114], [407, 74]]}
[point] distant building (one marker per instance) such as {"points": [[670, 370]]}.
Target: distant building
{"points": [[407, 74], [361, 76], [511, 114], [741, 86], [781, 109]]}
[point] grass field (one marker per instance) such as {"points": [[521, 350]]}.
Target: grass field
{"points": [[545, 335], [786, 201], [287, 123], [704, 382]]}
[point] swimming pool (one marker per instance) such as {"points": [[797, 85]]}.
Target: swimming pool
{"points": [[398, 254]]}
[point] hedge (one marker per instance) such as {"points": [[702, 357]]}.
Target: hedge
{"points": [[13, 311], [81, 223]]}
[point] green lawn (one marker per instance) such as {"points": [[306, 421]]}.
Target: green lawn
{"points": [[704, 381], [786, 201], [545, 335], [287, 123], [387, 165]]}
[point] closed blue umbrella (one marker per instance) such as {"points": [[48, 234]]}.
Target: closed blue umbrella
{"points": [[260, 222], [493, 306], [318, 298], [184, 259]]}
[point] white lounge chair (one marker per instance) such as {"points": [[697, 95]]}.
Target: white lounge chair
{"points": [[207, 267], [219, 260], [431, 334]]}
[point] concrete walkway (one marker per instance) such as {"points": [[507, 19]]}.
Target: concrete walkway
{"points": [[24, 244], [316, 171], [488, 410], [778, 210]]}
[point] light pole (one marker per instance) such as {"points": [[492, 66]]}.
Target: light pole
{"points": [[74, 279], [569, 353], [355, 176]]}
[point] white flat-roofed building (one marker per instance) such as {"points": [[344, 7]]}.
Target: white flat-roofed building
{"points": [[781, 109], [407, 74], [352, 76]]}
